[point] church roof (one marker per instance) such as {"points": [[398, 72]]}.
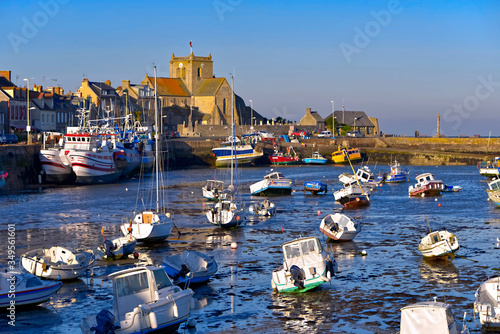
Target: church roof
{"points": [[169, 86], [209, 87]]}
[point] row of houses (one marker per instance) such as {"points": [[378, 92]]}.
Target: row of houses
{"points": [[191, 95]]}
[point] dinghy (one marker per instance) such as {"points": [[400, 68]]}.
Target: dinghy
{"points": [[190, 266], [305, 266], [117, 248], [439, 245], [315, 187], [25, 289], [57, 262], [145, 300], [339, 227], [265, 208]]}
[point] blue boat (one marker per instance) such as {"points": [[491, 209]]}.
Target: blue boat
{"points": [[315, 187], [191, 266], [244, 153], [316, 159], [396, 175]]}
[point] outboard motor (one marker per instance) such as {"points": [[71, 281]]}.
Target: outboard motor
{"points": [[330, 268], [108, 248], [105, 323], [184, 270], [298, 276]]}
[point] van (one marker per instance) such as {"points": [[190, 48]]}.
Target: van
{"points": [[325, 134]]}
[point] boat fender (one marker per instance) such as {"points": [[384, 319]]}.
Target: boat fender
{"points": [[174, 307], [152, 320]]}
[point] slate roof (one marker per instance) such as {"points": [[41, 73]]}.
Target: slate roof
{"points": [[209, 87], [362, 120], [4, 82], [317, 116]]}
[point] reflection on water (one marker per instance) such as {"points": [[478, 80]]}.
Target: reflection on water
{"points": [[365, 296]]}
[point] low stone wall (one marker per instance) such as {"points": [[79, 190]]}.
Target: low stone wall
{"points": [[22, 164]]}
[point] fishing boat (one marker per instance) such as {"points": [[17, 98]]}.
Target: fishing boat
{"points": [[305, 266], [316, 159], [228, 212], [364, 175], [494, 191], [57, 263], [264, 209], [288, 158], [190, 266], [396, 175], [352, 195], [235, 150], [118, 248], [145, 301], [439, 245], [486, 305], [315, 187], [25, 289], [339, 227], [151, 225], [344, 155], [428, 318], [489, 169], [426, 185], [212, 189], [55, 169], [274, 183]]}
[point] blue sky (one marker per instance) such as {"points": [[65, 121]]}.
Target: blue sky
{"points": [[400, 61]]}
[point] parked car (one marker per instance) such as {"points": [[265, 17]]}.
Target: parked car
{"points": [[3, 140], [325, 134], [299, 133], [354, 134], [11, 139]]}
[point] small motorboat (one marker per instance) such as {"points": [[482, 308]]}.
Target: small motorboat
{"points": [[212, 189], [486, 305], [145, 300], [57, 263], [117, 248], [190, 266], [25, 289], [494, 191], [439, 245], [265, 208], [225, 213], [396, 174], [274, 183], [305, 266], [426, 185], [316, 159], [315, 187], [339, 227], [352, 195], [364, 175], [428, 318]]}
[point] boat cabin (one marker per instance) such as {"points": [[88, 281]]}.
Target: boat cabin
{"points": [[494, 185], [274, 176], [139, 286], [302, 252], [364, 174], [425, 178], [214, 184], [428, 318]]}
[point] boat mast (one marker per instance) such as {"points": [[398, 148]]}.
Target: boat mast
{"points": [[233, 158], [156, 148]]}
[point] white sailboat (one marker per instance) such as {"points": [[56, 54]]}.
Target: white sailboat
{"points": [[151, 225], [227, 212]]}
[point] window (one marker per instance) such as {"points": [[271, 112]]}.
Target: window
{"points": [[132, 284], [161, 279], [199, 72], [224, 106]]}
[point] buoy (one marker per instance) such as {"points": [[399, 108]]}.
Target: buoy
{"points": [[126, 189], [363, 253], [439, 204], [435, 200], [168, 214], [191, 322], [136, 255], [319, 212], [238, 218], [234, 245], [203, 204]]}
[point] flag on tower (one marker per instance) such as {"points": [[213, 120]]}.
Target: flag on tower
{"points": [[191, 46]]}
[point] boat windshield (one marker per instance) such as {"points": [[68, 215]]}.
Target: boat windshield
{"points": [[32, 282], [161, 279], [309, 246], [129, 285]]}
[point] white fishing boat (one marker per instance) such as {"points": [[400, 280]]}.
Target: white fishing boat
{"points": [[426, 185], [439, 245], [487, 306], [25, 289], [190, 266], [212, 189], [264, 208], [494, 191], [428, 318], [228, 212], [396, 174], [364, 175], [274, 183], [305, 266], [57, 263], [233, 150], [54, 168], [151, 225], [339, 227], [118, 248], [352, 195], [145, 301]]}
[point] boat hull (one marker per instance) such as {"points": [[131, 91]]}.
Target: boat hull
{"points": [[149, 226], [339, 156], [244, 155], [353, 202], [276, 160], [201, 267], [486, 305], [315, 187], [440, 245], [53, 168], [339, 227], [312, 161], [26, 296]]}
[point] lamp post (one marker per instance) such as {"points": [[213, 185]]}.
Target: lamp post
{"points": [[251, 114], [28, 127], [333, 114], [355, 119]]}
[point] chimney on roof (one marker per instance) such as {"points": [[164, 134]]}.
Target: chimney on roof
{"points": [[308, 110], [108, 82], [38, 89], [5, 74]]}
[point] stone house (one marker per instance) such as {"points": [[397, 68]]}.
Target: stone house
{"points": [[313, 120]]}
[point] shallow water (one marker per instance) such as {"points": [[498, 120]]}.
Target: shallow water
{"points": [[365, 297]]}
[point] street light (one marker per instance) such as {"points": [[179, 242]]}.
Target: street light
{"points": [[28, 127], [333, 114], [356, 119], [251, 114]]}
